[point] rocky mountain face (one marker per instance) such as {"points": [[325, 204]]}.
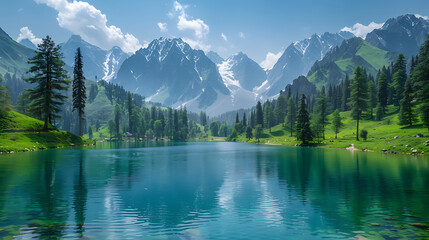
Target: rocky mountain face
{"points": [[214, 57], [27, 43], [299, 57], [98, 63], [404, 34], [242, 72], [169, 71]]}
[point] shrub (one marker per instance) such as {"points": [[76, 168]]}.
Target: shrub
{"points": [[364, 134]]}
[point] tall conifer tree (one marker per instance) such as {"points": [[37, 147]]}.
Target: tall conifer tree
{"points": [[291, 114], [48, 73], [359, 96], [303, 130], [79, 89]]}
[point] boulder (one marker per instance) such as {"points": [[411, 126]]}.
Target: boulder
{"points": [[407, 146], [419, 135], [426, 143], [384, 150], [395, 137], [360, 237], [415, 151], [419, 225]]}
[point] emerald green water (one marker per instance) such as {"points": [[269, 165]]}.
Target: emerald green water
{"points": [[212, 191]]}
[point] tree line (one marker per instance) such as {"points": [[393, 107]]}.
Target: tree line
{"points": [[365, 96], [131, 116]]}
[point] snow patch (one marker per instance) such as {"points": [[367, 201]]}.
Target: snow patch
{"points": [[227, 75]]}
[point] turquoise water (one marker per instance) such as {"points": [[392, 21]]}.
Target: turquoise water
{"points": [[212, 191]]}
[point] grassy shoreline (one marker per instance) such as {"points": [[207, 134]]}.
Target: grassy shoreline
{"points": [[383, 136], [22, 133]]}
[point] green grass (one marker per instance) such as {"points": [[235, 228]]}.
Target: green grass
{"points": [[18, 121], [374, 56], [345, 64], [381, 135], [23, 133]]}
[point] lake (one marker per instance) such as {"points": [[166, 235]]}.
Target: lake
{"points": [[212, 191]]}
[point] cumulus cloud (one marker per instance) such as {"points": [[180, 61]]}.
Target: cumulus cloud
{"points": [[196, 44], [270, 60], [26, 33], [224, 37], [421, 16], [91, 24], [360, 30], [162, 27], [241, 34], [198, 26]]}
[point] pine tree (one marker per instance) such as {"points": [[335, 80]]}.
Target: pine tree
{"points": [[303, 131], [129, 105], [420, 78], [346, 94], [47, 70], [252, 119], [379, 113], [259, 114], [372, 97], [249, 134], [291, 114], [185, 121], [90, 133], [214, 129], [358, 96], [336, 122], [406, 113], [258, 132], [322, 111], [4, 99], [399, 78], [237, 119], [171, 122], [382, 89], [117, 119], [79, 89], [244, 120], [268, 116], [280, 109]]}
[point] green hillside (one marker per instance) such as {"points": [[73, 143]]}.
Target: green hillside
{"points": [[344, 60], [22, 133], [381, 135], [13, 56], [376, 57]]}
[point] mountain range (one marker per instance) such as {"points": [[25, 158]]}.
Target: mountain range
{"points": [[169, 71], [299, 57], [98, 63]]}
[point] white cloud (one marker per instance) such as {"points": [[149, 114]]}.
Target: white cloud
{"points": [[198, 26], [197, 44], [360, 30], [26, 33], [241, 34], [162, 27], [91, 24], [270, 60], [421, 16], [224, 37]]}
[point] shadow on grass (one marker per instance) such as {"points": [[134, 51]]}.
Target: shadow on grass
{"points": [[278, 133], [54, 138]]}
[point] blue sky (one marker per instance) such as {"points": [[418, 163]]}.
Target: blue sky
{"points": [[224, 26]]}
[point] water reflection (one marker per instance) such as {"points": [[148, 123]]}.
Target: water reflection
{"points": [[211, 190]]}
